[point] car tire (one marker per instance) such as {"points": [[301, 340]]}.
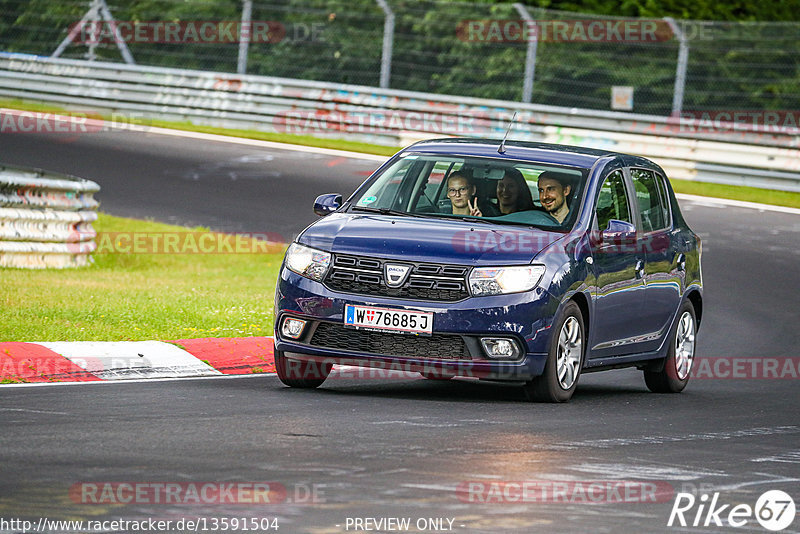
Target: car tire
{"points": [[564, 359], [300, 374], [677, 367]]}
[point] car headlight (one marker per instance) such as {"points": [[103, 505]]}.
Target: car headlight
{"points": [[498, 280], [308, 262]]}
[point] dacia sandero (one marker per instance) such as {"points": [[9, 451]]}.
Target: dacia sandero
{"points": [[509, 261]]}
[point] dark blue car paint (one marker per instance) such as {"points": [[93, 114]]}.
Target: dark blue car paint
{"points": [[627, 323]]}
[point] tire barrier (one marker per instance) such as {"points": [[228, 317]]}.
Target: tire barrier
{"points": [[45, 219]]}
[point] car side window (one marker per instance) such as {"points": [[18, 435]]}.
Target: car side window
{"points": [[662, 190], [612, 202], [649, 200], [427, 194]]}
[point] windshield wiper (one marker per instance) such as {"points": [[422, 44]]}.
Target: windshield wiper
{"points": [[476, 219], [485, 220], [384, 211]]}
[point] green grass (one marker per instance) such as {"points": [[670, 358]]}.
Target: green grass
{"points": [[125, 296], [748, 194], [306, 140], [736, 192]]}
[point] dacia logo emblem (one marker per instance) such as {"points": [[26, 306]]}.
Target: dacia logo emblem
{"points": [[395, 274]]}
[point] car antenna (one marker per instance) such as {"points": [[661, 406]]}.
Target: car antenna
{"points": [[502, 149]]}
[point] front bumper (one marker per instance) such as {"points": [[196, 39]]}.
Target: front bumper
{"points": [[454, 348]]}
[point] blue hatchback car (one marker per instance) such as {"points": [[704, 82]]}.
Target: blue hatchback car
{"points": [[507, 261]]}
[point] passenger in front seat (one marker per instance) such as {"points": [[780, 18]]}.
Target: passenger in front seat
{"points": [[461, 192]]}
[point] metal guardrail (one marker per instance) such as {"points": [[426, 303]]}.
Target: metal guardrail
{"points": [[687, 149], [45, 219]]}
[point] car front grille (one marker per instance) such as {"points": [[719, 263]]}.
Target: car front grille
{"points": [[426, 281], [436, 346]]}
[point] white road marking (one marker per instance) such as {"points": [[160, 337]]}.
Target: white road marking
{"points": [[789, 457], [655, 440], [257, 142], [31, 411], [771, 480], [712, 202], [131, 381], [650, 472]]}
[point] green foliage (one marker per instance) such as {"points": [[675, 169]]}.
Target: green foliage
{"points": [[732, 65], [784, 10]]}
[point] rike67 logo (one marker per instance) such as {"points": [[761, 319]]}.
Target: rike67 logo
{"points": [[774, 510]]}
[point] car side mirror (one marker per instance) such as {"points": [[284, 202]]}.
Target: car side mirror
{"points": [[618, 232], [327, 204]]}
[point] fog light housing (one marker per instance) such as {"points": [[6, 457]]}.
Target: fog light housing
{"points": [[292, 328], [500, 348]]}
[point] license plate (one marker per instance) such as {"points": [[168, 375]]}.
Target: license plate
{"points": [[386, 320]]}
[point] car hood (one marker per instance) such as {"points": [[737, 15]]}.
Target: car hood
{"points": [[431, 240]]}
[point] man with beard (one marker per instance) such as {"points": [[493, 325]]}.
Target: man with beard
{"points": [[553, 192]]}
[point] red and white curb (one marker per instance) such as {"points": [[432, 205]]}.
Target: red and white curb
{"points": [[89, 361]]}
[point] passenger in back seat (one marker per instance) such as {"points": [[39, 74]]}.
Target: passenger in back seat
{"points": [[513, 193]]}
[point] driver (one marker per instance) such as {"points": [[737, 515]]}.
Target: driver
{"points": [[554, 189]]}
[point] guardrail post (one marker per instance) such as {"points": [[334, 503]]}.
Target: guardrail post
{"points": [[388, 43], [530, 56], [680, 71], [244, 36]]}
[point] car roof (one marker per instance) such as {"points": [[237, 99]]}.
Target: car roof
{"points": [[574, 156]]}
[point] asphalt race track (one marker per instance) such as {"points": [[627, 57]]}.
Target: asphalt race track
{"points": [[402, 448], [232, 188]]}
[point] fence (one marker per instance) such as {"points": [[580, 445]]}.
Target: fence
{"points": [[498, 51], [45, 219], [741, 156]]}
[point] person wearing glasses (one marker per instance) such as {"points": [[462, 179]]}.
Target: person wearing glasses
{"points": [[461, 192]]}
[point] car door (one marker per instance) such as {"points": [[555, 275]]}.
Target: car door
{"points": [[662, 261], [618, 265]]}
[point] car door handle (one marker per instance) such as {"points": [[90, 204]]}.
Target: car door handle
{"points": [[639, 269]]}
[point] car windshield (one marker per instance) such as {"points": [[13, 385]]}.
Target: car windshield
{"points": [[494, 190]]}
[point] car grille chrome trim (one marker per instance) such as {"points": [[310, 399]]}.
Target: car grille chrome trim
{"points": [[426, 281]]}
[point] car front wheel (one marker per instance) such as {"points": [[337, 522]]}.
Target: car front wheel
{"points": [[674, 375], [564, 359], [300, 374]]}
